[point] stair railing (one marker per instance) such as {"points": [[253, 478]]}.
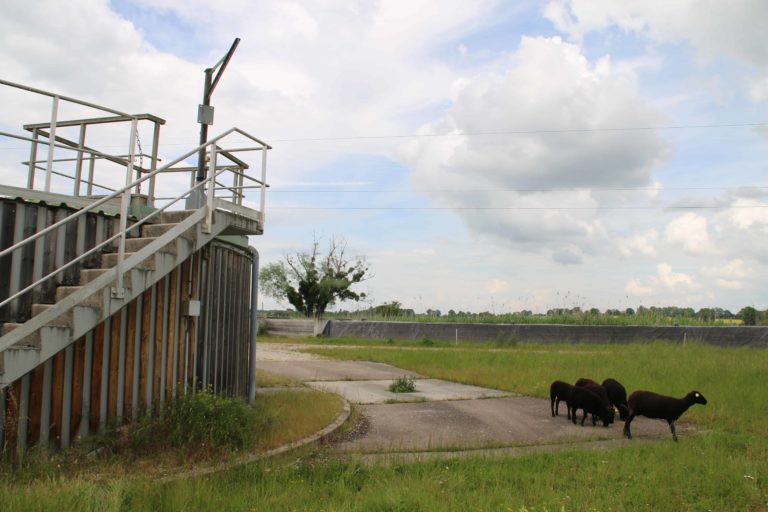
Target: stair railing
{"points": [[125, 194]]}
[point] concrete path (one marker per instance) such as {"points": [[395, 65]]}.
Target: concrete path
{"points": [[441, 415]]}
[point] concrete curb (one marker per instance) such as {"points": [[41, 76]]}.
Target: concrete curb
{"points": [[253, 457]]}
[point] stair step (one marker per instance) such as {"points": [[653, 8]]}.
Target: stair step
{"points": [[91, 274], [32, 341], [136, 244], [110, 260], [156, 230], [19, 355], [94, 300], [174, 217]]}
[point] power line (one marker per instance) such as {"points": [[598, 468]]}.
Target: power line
{"points": [[564, 189], [502, 208], [542, 131], [535, 131]]}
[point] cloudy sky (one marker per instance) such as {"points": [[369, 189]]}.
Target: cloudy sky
{"points": [[483, 155]]}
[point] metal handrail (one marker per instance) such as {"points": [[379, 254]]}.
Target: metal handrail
{"points": [[120, 191], [99, 246]]}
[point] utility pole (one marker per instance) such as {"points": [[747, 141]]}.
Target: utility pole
{"points": [[205, 118]]}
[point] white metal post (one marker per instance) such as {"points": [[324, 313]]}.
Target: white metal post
{"points": [[263, 183], [119, 291], [79, 160], [51, 144], [211, 188]]}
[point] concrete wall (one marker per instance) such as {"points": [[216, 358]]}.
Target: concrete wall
{"points": [[543, 333]]}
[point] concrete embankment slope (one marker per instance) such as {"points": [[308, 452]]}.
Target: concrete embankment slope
{"points": [[547, 333]]}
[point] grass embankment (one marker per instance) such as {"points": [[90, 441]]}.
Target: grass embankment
{"points": [[723, 468]]}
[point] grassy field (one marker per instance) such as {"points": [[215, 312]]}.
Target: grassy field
{"points": [[724, 467]]}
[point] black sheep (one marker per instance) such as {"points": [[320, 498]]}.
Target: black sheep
{"points": [[653, 405], [591, 403], [618, 397], [558, 392], [599, 391]]}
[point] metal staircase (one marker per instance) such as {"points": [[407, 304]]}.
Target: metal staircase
{"points": [[148, 245]]}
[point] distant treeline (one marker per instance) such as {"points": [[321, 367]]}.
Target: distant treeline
{"points": [[670, 315]]}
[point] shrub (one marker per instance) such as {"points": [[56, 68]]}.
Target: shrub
{"points": [[201, 419], [427, 341], [403, 384]]}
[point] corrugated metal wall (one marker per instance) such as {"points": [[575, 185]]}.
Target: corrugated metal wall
{"points": [[148, 353]]}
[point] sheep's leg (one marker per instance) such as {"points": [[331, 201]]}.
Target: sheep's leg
{"points": [[552, 406], [627, 431], [573, 415], [568, 409], [672, 428]]}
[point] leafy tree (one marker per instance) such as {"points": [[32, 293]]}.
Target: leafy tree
{"points": [[748, 315], [311, 282]]}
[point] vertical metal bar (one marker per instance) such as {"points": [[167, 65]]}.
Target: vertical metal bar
{"points": [[82, 227], [153, 165], [37, 262], [51, 144], [187, 321], [165, 341], [91, 170], [121, 363], [61, 241], [254, 325], [211, 190], [119, 291], [137, 358], [79, 160], [45, 408], [14, 279], [105, 356], [22, 428], [177, 316], [263, 197], [32, 159], [85, 416], [203, 342], [151, 339], [66, 402]]}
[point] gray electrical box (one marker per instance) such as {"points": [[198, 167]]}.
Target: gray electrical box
{"points": [[192, 308], [205, 114]]}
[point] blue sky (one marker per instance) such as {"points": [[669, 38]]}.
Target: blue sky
{"points": [[451, 222]]}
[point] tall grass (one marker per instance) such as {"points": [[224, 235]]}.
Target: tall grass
{"points": [[724, 467]]}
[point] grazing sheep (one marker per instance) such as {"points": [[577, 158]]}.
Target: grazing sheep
{"points": [[591, 403], [618, 397], [559, 391], [653, 405], [599, 391]]}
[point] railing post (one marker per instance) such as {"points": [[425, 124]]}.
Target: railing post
{"points": [[263, 183], [118, 291], [211, 189], [32, 160], [79, 160], [153, 166], [51, 144]]}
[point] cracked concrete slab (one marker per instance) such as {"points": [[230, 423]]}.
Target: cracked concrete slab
{"points": [[377, 391], [329, 370]]}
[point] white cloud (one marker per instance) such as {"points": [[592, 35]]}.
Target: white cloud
{"points": [[714, 28], [730, 276], [636, 287], [545, 84], [689, 231], [672, 279], [496, 286], [643, 244]]}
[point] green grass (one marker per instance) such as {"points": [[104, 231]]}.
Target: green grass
{"points": [[724, 467]]}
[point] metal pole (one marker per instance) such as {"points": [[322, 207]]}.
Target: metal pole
{"points": [[32, 159], [119, 291], [263, 184], [45, 409], [85, 416], [79, 160], [211, 191], [52, 138], [153, 165], [66, 402], [23, 419], [254, 324]]}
